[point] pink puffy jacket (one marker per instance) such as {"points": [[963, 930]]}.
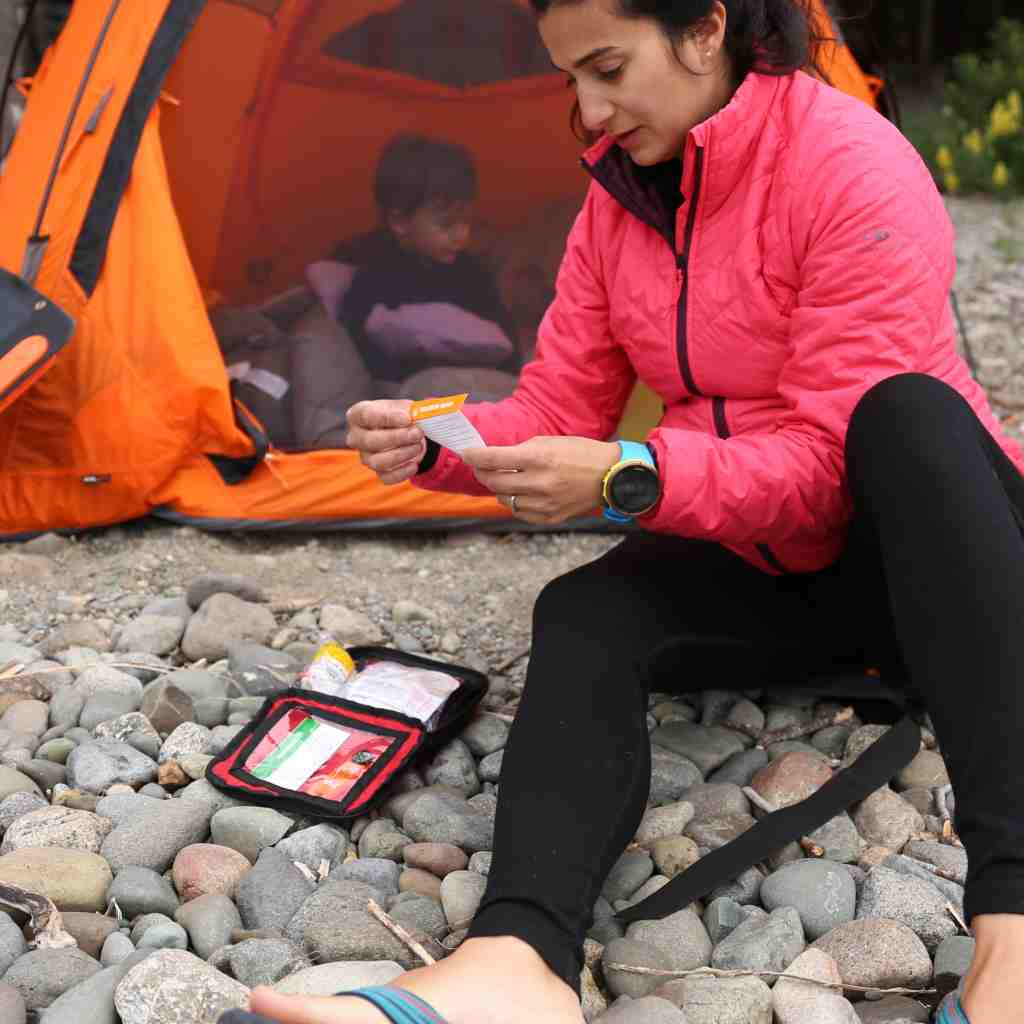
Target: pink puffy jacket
{"points": [[811, 258]]}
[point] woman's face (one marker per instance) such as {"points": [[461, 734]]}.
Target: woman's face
{"points": [[629, 82]]}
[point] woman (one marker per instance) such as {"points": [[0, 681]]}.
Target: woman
{"points": [[773, 259]]}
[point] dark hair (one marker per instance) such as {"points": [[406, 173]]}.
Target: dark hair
{"points": [[771, 37], [414, 170]]}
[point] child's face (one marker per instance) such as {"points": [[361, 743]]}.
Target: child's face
{"points": [[436, 231]]}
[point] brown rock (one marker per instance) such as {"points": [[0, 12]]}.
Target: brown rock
{"points": [[716, 832], [673, 854], [927, 769], [206, 868], [791, 778], [90, 930], [885, 819], [166, 707], [171, 775], [438, 858], [873, 856], [420, 881]]}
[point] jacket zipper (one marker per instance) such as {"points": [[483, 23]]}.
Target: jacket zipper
{"points": [[683, 265]]}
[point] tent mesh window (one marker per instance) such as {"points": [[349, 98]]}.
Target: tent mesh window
{"points": [[434, 40]]}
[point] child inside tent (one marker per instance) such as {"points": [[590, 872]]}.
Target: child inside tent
{"points": [[415, 299]]}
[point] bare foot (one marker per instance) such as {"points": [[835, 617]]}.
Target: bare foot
{"points": [[485, 981], [994, 986]]}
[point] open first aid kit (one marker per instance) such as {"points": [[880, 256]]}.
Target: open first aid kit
{"points": [[360, 717]]}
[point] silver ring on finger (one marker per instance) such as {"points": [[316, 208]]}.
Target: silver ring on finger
{"points": [[512, 503]]}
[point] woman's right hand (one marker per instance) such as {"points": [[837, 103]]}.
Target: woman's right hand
{"points": [[383, 433]]}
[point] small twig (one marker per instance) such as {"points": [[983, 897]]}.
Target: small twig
{"points": [[506, 665], [759, 801], [811, 848], [940, 794], [47, 924], [399, 932], [715, 972], [746, 728], [294, 604], [795, 731], [305, 870], [956, 917], [10, 669]]}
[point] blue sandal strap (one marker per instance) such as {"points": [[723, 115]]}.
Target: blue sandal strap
{"points": [[950, 1011], [398, 1005]]}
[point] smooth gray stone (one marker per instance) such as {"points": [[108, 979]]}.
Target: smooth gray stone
{"points": [[648, 1010], [269, 894], [908, 866], [261, 671], [142, 924], [96, 766], [56, 750], [18, 804], [721, 917], [420, 914], [12, 1006], [12, 942], [839, 838], [680, 936], [92, 1001], [66, 707], [768, 943], [140, 890], [125, 807], [197, 683], [741, 767], [154, 838], [209, 921], [489, 768], [892, 1010], [442, 818], [334, 924], [116, 949], [628, 873], [249, 829], [211, 711], [950, 858], [485, 735], [745, 890], [821, 891], [205, 586], [42, 975], [952, 960], [453, 765], [461, 892], [312, 845], [721, 1000], [707, 747], [139, 660], [671, 776], [911, 901], [382, 874], [106, 705], [164, 935], [265, 961], [716, 799], [633, 953]]}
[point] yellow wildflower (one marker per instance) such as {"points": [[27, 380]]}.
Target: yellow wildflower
{"points": [[944, 158], [1001, 175], [1016, 105], [973, 141], [1006, 117], [952, 181]]}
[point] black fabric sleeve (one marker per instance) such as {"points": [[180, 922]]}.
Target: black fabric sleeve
{"points": [[429, 457]]}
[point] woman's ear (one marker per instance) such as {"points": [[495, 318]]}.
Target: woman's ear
{"points": [[707, 37]]}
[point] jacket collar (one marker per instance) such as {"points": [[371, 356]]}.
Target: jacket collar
{"points": [[728, 138]]}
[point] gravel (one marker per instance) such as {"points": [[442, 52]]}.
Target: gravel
{"points": [[112, 624]]}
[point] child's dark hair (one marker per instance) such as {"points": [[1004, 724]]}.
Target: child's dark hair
{"points": [[414, 170], [771, 37]]}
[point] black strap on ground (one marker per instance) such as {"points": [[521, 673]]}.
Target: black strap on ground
{"points": [[883, 760]]}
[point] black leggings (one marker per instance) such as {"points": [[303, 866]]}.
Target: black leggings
{"points": [[930, 587]]}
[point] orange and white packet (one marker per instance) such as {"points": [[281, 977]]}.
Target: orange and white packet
{"points": [[443, 421]]}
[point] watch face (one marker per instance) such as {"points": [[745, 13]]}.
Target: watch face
{"points": [[634, 489]]}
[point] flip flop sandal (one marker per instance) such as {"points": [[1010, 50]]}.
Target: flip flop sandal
{"points": [[399, 1006], [950, 1011]]}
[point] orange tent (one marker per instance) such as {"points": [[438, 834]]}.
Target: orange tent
{"points": [[180, 164]]}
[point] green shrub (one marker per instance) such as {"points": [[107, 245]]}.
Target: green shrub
{"points": [[977, 145]]}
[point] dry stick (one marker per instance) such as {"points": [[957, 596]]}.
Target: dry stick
{"points": [[400, 933], [759, 801], [956, 917], [715, 972], [47, 924], [811, 848], [793, 732], [506, 665]]}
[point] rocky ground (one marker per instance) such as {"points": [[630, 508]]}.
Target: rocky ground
{"points": [[129, 656]]}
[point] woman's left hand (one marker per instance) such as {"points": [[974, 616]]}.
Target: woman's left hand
{"points": [[552, 478]]}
